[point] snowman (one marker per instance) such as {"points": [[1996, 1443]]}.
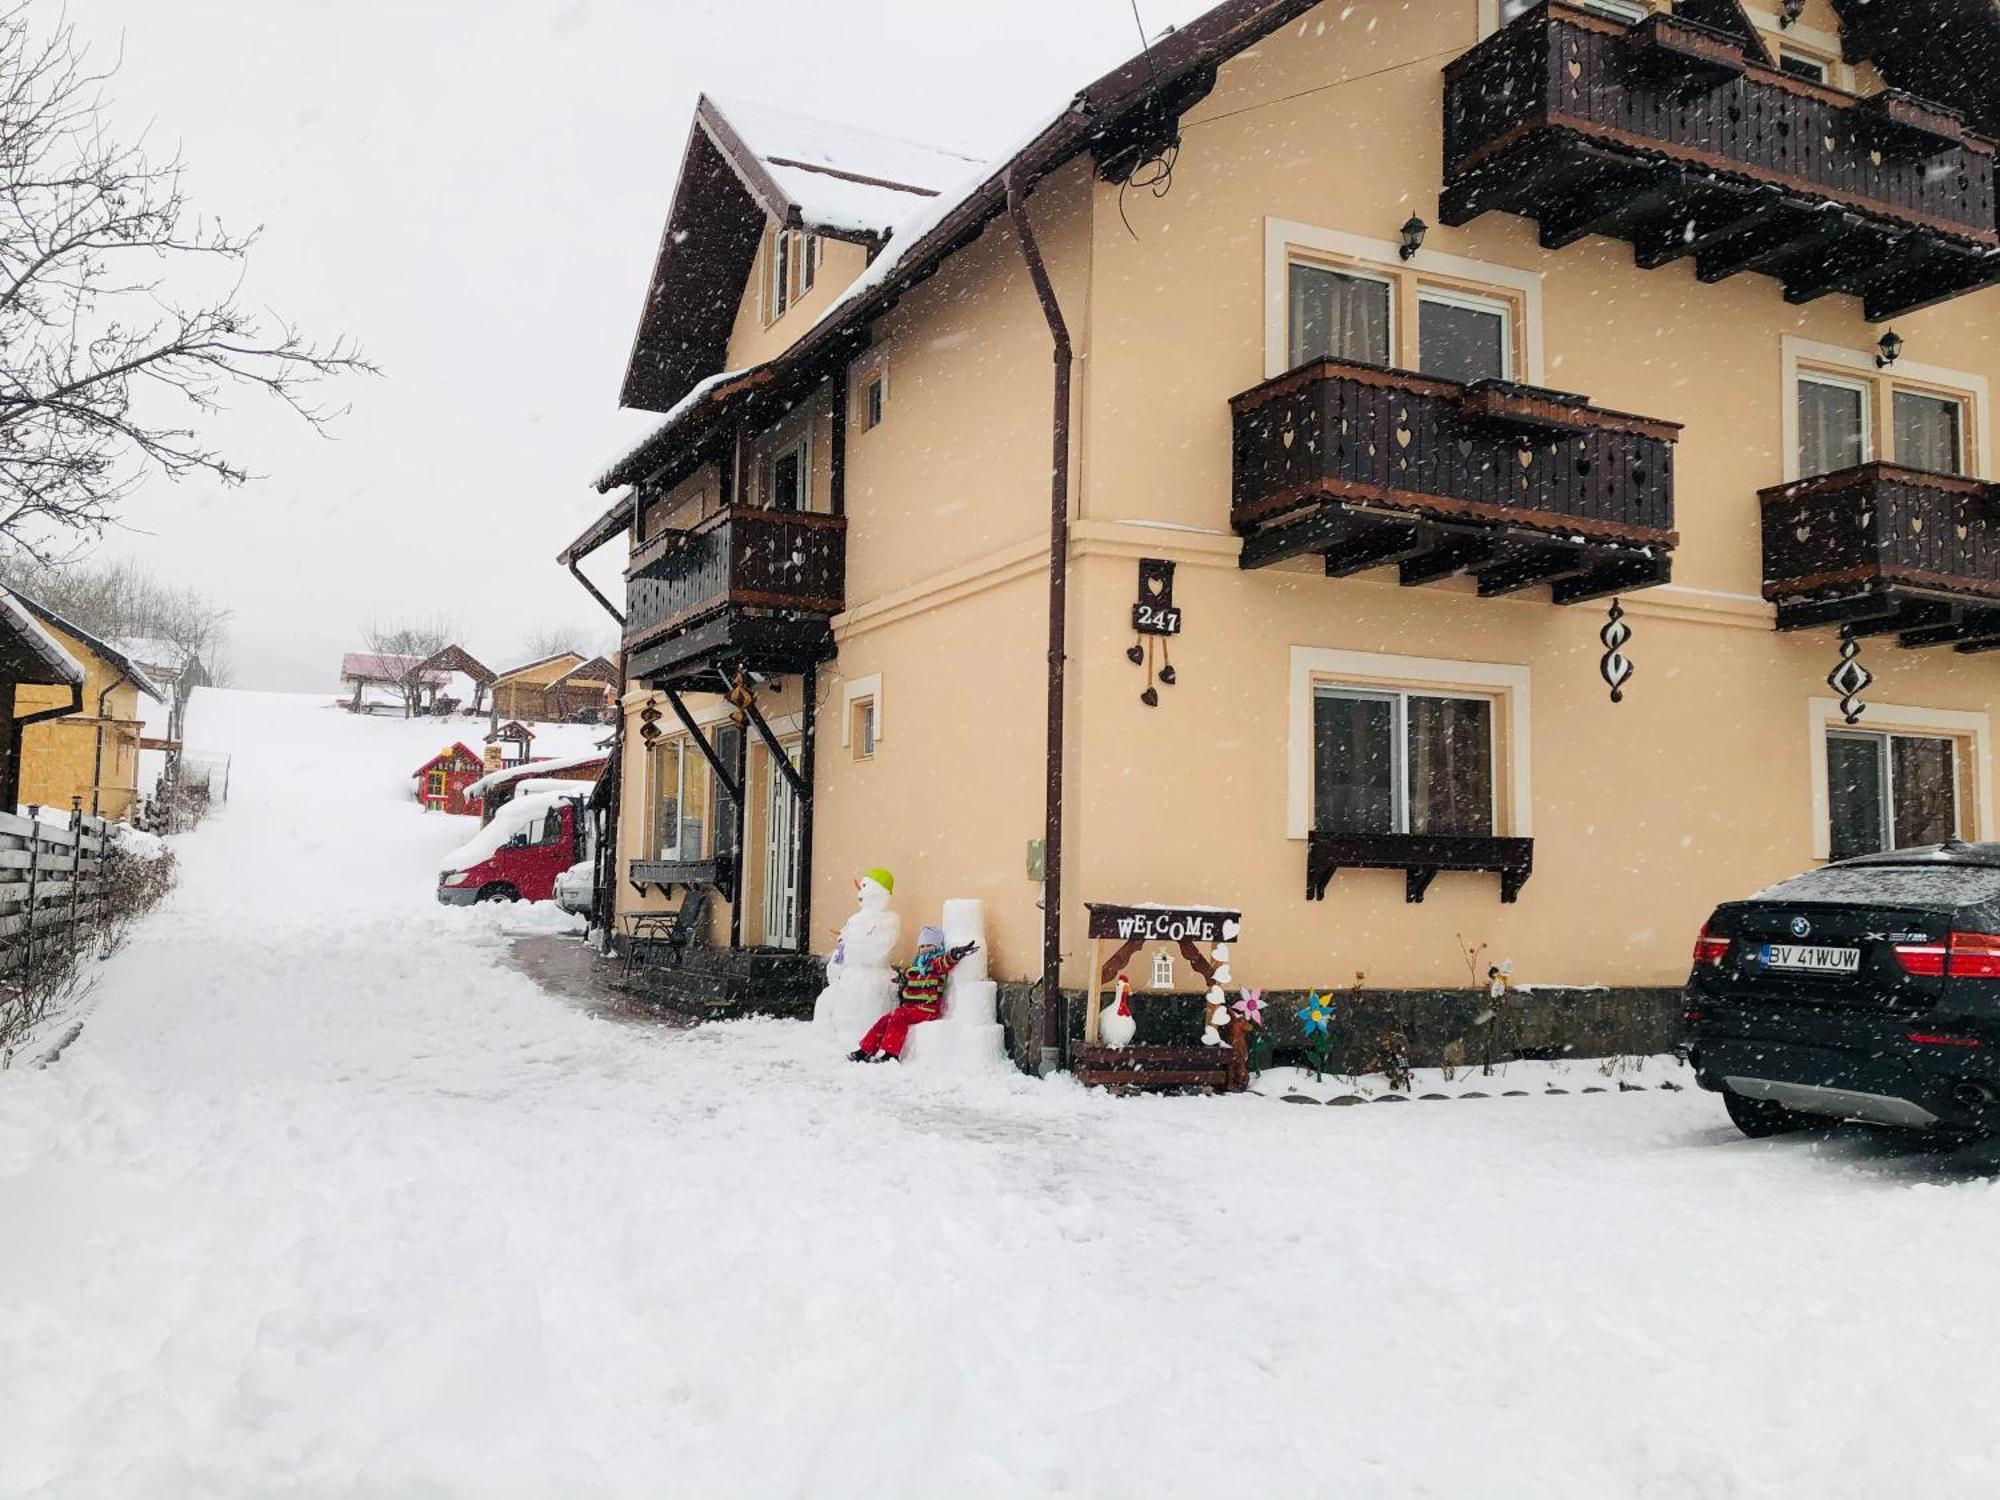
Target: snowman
{"points": [[860, 984]]}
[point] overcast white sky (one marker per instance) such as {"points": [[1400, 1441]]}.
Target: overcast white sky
{"points": [[474, 189]]}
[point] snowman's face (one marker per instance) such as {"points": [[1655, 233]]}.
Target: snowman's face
{"points": [[871, 895]]}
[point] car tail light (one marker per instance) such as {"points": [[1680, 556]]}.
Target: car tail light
{"points": [[1974, 955], [1943, 1039], [1925, 960], [1710, 950], [1963, 955]]}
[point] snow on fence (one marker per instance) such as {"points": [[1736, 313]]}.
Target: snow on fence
{"points": [[52, 881]]}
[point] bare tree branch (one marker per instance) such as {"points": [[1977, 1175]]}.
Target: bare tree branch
{"points": [[92, 232]]}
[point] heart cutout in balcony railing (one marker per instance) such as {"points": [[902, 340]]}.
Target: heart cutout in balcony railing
{"points": [[1526, 456], [1403, 436], [1287, 437]]}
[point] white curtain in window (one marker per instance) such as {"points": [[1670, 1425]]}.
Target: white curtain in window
{"points": [[1337, 315]]}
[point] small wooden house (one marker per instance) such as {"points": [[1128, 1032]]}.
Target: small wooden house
{"points": [[32, 659], [442, 780], [89, 752], [557, 689]]}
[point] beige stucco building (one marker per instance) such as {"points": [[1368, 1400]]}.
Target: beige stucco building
{"points": [[1435, 330]]}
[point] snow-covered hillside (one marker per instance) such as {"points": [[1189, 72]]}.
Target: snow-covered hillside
{"points": [[327, 1201]]}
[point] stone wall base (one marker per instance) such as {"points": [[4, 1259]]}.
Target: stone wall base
{"points": [[1463, 1027]]}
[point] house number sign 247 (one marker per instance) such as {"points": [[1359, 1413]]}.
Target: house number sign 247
{"points": [[1156, 619]]}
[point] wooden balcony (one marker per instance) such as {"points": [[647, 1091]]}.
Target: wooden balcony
{"points": [[1367, 467], [1668, 135], [744, 587], [1887, 551]]}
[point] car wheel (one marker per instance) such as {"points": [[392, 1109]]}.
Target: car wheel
{"points": [[1757, 1118], [499, 893]]}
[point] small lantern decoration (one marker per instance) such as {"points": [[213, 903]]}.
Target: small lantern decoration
{"points": [[1614, 666], [1849, 678], [1887, 349], [1155, 621]]}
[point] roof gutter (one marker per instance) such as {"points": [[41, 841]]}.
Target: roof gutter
{"points": [[1052, 1028]]}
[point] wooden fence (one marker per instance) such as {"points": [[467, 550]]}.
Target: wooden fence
{"points": [[53, 879]]}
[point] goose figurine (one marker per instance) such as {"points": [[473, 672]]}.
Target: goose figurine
{"points": [[1117, 1026]]}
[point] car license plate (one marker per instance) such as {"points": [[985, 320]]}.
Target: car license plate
{"points": [[1803, 956]]}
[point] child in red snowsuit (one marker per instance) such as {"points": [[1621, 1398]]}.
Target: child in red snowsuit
{"points": [[919, 998]]}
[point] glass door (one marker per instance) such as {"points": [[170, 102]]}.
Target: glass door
{"points": [[781, 861]]}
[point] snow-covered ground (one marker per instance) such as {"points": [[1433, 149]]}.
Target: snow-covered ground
{"points": [[327, 1202]]}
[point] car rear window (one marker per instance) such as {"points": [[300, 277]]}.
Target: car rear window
{"points": [[1891, 885]]}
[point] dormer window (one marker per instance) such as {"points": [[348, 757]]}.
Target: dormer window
{"points": [[792, 266]]}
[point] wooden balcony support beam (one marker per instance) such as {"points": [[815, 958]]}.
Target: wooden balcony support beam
{"points": [[1624, 194], [1708, 216], [1525, 565], [1377, 543], [1454, 554]]}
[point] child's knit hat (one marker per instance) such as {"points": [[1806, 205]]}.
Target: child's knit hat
{"points": [[930, 937]]}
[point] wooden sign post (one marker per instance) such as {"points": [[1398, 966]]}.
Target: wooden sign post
{"points": [[1191, 931]]}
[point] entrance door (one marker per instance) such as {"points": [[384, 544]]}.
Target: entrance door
{"points": [[781, 862]]}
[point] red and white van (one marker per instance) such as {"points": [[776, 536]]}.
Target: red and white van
{"points": [[517, 856]]}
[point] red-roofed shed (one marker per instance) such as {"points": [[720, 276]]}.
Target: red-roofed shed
{"points": [[442, 780]]}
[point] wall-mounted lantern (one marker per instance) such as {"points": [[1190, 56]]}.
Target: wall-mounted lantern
{"points": [[1887, 347], [1414, 230]]}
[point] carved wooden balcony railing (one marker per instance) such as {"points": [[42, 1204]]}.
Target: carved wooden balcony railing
{"points": [[1668, 135], [744, 587], [1367, 466], [1886, 550]]}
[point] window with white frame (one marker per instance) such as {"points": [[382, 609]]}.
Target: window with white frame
{"points": [[677, 801], [1834, 423], [1399, 317], [861, 728], [1807, 65], [1339, 314], [788, 477], [1393, 760], [871, 395], [1929, 430], [1889, 790], [1845, 419], [778, 292], [1463, 337], [807, 255]]}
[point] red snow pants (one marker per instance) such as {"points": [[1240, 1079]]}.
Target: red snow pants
{"points": [[889, 1033]]}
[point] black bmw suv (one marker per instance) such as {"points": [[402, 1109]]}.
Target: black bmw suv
{"points": [[1866, 990]]}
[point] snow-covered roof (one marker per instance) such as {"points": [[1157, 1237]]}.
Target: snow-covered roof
{"points": [[43, 651], [500, 778], [839, 178], [377, 666], [162, 658], [130, 669], [684, 329]]}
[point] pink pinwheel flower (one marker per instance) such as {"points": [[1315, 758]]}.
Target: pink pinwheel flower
{"points": [[1251, 1007]]}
